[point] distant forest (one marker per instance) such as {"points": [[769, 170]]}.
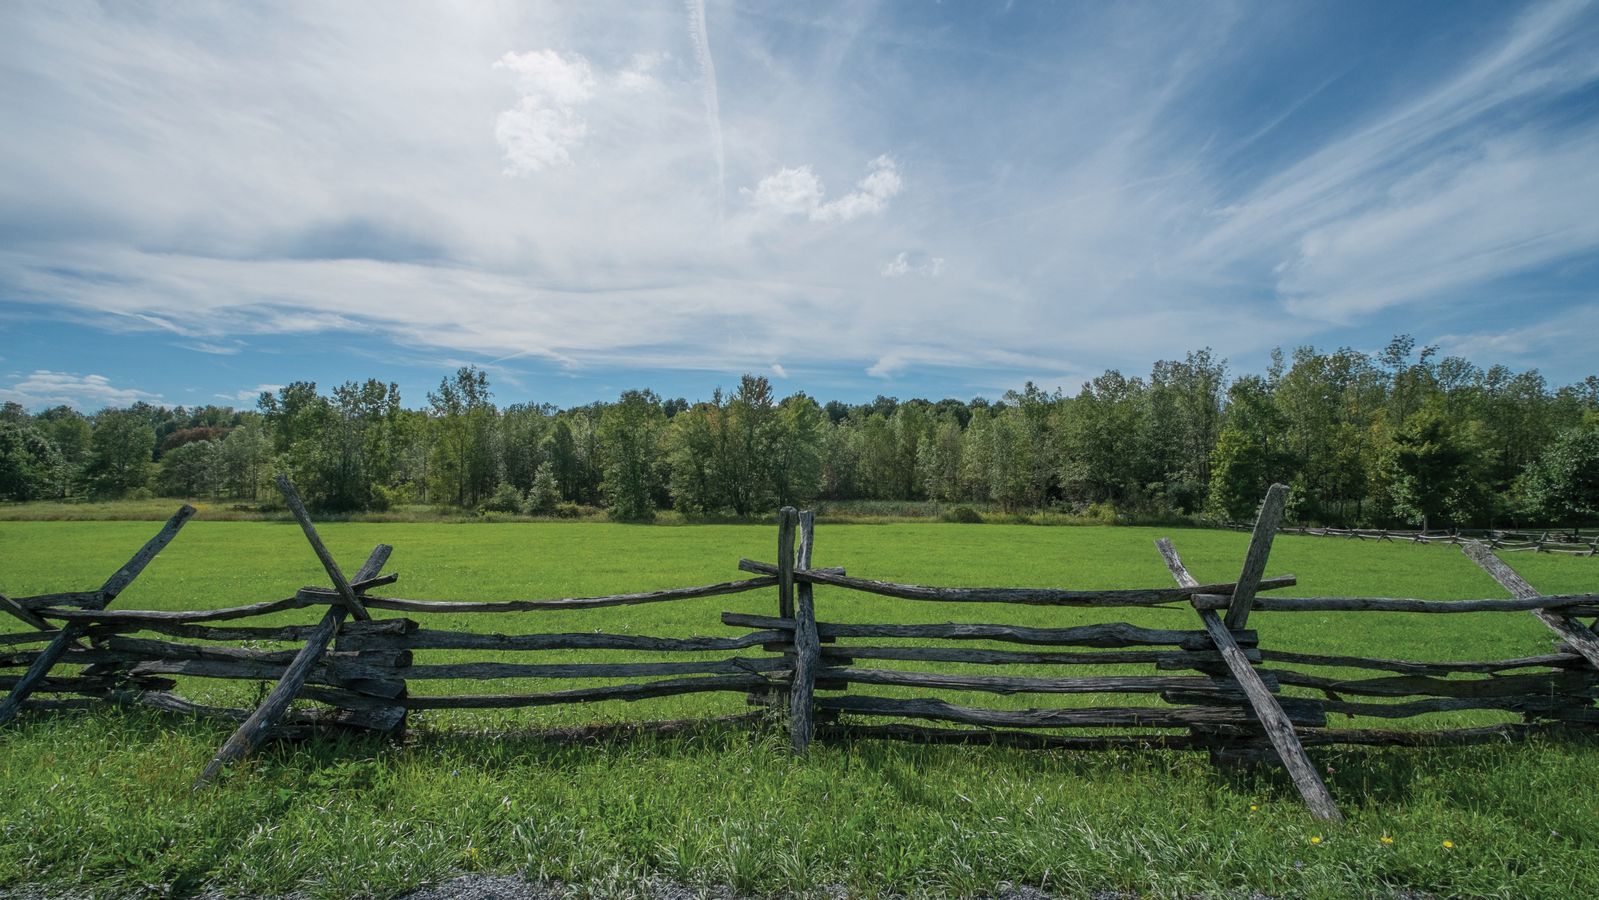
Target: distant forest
{"points": [[1404, 437]]}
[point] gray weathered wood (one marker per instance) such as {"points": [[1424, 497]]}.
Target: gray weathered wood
{"points": [[1578, 603], [23, 613], [1164, 659], [1544, 705], [1109, 634], [254, 730], [807, 646], [382, 633], [1570, 682], [922, 734], [1266, 524], [1577, 635], [787, 519], [430, 639], [1076, 717], [315, 595], [340, 583], [27, 637], [628, 692], [481, 671], [1031, 596], [1015, 684], [1279, 729], [69, 635], [1420, 667]]}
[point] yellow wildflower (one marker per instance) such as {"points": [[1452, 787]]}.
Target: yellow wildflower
{"points": [[1254, 808], [1387, 840], [1315, 839], [1449, 845]]}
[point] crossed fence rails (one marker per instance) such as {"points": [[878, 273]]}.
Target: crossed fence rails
{"points": [[1218, 689]]}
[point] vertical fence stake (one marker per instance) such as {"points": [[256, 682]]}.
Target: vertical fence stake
{"points": [[1271, 515], [807, 645], [72, 631], [1279, 729], [787, 519]]}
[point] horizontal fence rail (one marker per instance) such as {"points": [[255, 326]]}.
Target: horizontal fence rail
{"points": [[1211, 687]]}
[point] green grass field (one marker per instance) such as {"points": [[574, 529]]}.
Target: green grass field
{"points": [[104, 799]]}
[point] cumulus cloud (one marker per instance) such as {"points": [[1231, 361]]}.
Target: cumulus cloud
{"points": [[544, 126], [44, 388], [779, 371], [798, 191], [912, 263]]}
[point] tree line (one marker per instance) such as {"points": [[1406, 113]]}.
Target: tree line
{"points": [[1402, 437]]}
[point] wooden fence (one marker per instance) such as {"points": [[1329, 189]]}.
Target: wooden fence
{"points": [[1574, 542], [1212, 687]]}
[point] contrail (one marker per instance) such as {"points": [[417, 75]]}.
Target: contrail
{"points": [[713, 106]]}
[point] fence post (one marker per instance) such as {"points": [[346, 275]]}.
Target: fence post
{"points": [[807, 645], [1580, 637], [1271, 515], [1279, 729], [72, 631], [255, 728]]}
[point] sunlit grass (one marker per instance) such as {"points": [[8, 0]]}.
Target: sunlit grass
{"points": [[104, 799]]}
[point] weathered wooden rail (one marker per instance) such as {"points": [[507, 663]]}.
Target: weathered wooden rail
{"points": [[1213, 687]]}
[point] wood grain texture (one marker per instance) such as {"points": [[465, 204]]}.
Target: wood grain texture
{"points": [[1266, 524], [255, 728], [1277, 724], [1030, 596], [807, 646]]}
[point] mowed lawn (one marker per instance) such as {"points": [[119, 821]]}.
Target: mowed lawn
{"points": [[104, 799]]}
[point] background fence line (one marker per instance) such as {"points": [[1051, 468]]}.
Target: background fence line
{"points": [[1218, 689]]}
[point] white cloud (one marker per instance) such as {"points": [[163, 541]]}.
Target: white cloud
{"points": [[798, 191], [250, 395], [779, 371], [44, 388], [544, 126], [912, 263]]}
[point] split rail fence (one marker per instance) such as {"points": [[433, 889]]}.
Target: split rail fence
{"points": [[1213, 686], [1572, 543]]}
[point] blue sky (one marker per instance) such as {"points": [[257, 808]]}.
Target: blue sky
{"points": [[916, 199]]}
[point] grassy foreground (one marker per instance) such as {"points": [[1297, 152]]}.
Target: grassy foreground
{"points": [[103, 800]]}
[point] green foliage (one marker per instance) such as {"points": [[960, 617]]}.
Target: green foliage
{"points": [[1340, 427], [963, 515], [1562, 485], [1431, 472], [630, 431], [30, 465], [120, 453], [189, 470]]}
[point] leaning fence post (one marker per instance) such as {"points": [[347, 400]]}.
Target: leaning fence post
{"points": [[1580, 637], [1279, 728], [254, 730], [807, 645], [72, 631], [1271, 515]]}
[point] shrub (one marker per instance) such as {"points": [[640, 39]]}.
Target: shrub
{"points": [[964, 515], [505, 499]]}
